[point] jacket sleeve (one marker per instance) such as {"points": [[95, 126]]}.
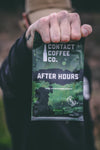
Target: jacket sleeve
{"points": [[15, 80], [16, 69]]}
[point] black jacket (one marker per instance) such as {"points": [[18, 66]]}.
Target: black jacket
{"points": [[15, 80]]}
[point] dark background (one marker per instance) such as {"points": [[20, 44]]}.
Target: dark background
{"points": [[81, 5]]}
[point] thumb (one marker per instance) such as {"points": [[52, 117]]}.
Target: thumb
{"points": [[86, 30]]}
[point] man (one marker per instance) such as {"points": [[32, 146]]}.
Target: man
{"points": [[57, 24]]}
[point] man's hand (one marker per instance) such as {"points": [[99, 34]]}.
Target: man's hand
{"points": [[58, 27]]}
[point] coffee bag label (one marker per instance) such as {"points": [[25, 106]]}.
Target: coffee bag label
{"points": [[57, 80]]}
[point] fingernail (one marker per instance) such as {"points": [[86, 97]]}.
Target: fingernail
{"points": [[85, 32]]}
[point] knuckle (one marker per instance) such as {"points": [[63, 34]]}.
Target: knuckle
{"points": [[75, 16], [64, 14], [53, 15], [43, 21]]}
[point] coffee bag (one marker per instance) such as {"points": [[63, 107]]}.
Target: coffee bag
{"points": [[57, 80]]}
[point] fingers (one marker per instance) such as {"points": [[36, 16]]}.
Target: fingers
{"points": [[86, 30], [43, 29], [54, 28], [75, 26], [64, 23], [58, 27]]}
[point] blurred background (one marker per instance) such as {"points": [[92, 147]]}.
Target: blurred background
{"points": [[10, 15]]}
